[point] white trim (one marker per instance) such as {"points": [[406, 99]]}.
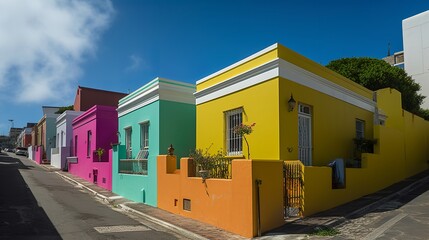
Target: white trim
{"points": [[262, 52], [289, 71], [301, 76], [247, 79], [157, 89]]}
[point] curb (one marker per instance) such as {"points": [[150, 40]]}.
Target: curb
{"points": [[96, 194], [163, 223]]}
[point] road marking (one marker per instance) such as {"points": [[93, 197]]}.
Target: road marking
{"points": [[385, 226], [121, 228]]}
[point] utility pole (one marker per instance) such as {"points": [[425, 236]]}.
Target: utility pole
{"points": [[11, 121]]}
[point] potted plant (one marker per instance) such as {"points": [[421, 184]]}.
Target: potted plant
{"points": [[244, 130], [99, 152]]}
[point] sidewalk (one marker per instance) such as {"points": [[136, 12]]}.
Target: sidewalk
{"points": [[298, 229], [355, 209]]}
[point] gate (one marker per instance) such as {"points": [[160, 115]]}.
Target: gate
{"points": [[293, 187]]}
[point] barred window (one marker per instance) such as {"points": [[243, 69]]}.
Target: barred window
{"points": [[234, 145], [360, 129]]}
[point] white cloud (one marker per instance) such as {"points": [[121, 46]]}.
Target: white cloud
{"points": [[135, 63], [43, 43]]}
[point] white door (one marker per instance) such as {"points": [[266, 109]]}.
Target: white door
{"points": [[304, 134]]}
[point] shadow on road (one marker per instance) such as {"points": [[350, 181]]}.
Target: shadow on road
{"points": [[20, 215]]}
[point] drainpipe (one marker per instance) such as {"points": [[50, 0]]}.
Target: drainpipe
{"points": [[258, 206]]}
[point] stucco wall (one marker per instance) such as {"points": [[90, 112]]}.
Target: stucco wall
{"points": [[169, 122], [102, 122]]}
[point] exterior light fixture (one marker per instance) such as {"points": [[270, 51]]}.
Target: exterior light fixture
{"points": [[291, 103]]}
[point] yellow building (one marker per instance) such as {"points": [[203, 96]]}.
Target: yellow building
{"points": [[306, 116], [330, 110]]}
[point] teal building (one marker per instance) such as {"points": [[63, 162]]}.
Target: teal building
{"points": [[158, 114]]}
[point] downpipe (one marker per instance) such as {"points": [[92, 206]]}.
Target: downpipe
{"points": [[258, 206]]}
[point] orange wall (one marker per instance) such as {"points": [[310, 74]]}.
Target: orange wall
{"points": [[229, 204]]}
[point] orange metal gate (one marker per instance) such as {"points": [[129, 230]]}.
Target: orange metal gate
{"points": [[293, 187]]}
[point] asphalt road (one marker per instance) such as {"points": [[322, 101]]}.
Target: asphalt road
{"points": [[38, 204]]}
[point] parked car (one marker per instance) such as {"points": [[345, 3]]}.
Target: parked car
{"points": [[21, 151]]}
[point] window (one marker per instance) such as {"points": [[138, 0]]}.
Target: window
{"points": [[144, 135], [144, 141], [234, 142], [360, 129], [75, 145], [128, 132], [63, 139], [88, 144]]}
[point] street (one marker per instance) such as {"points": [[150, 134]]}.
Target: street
{"points": [[403, 217], [38, 204]]}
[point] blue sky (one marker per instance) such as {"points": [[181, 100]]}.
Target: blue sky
{"points": [[53, 46]]}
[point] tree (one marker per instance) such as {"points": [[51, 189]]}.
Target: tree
{"points": [[376, 74], [63, 109]]}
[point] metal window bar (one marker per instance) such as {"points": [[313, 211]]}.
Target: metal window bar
{"points": [[135, 166], [233, 141]]}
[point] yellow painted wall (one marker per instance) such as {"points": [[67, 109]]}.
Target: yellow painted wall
{"points": [[402, 151], [260, 104], [275, 135], [333, 124]]}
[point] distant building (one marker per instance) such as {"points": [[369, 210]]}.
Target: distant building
{"points": [[24, 138], [86, 98], [13, 134], [415, 32], [397, 59]]}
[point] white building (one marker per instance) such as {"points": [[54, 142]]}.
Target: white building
{"points": [[415, 32], [64, 139]]}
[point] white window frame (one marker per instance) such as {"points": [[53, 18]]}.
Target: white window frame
{"points": [[128, 142], [233, 141], [144, 135], [360, 128]]}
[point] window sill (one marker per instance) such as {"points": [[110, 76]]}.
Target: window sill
{"points": [[235, 157]]}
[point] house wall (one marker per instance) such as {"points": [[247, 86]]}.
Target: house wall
{"points": [[27, 140], [139, 188], [332, 119], [38, 154], [88, 97], [229, 204], [177, 127], [262, 85], [64, 139], [50, 135], [401, 151], [260, 104], [102, 122]]}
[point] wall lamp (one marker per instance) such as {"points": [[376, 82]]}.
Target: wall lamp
{"points": [[291, 103]]}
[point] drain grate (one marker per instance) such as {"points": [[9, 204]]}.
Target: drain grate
{"points": [[121, 228]]}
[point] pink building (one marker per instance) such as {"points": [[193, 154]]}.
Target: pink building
{"points": [[93, 133]]}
